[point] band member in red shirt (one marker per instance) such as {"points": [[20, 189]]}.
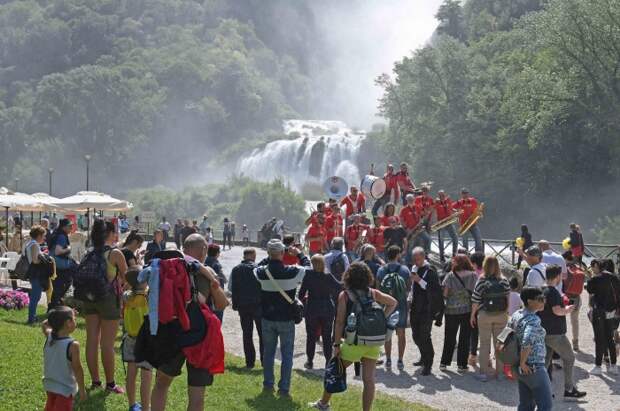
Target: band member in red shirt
{"points": [[376, 238], [391, 190], [320, 209], [412, 219], [405, 183], [315, 236], [353, 236], [388, 211], [469, 204], [354, 203], [425, 204], [333, 223], [290, 256], [444, 208]]}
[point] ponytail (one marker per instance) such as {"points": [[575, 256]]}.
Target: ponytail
{"points": [[57, 318], [99, 233]]}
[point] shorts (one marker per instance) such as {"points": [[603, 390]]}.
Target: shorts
{"points": [[128, 352], [109, 308], [196, 377], [354, 353], [402, 314], [58, 402]]}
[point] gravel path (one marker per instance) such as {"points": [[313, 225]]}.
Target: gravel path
{"points": [[449, 390]]}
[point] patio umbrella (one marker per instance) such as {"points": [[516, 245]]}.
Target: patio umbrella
{"points": [[17, 202], [85, 200]]}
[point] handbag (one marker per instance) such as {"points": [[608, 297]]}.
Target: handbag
{"points": [[22, 268], [335, 377], [298, 307]]}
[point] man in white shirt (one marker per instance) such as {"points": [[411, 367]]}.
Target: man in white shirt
{"points": [[550, 257], [536, 277]]}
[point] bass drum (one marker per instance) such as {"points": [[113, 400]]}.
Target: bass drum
{"points": [[373, 187]]}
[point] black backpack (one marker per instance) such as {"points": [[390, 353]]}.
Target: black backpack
{"points": [[494, 298], [337, 266], [90, 279], [371, 324]]}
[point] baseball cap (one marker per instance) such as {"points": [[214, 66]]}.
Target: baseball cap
{"points": [[64, 222], [534, 251], [275, 245]]}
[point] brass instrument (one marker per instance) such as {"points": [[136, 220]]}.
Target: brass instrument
{"points": [[416, 231], [473, 219], [361, 241], [451, 219]]}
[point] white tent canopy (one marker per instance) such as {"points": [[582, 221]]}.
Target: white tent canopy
{"points": [[85, 200]]}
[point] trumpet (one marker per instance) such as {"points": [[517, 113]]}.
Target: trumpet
{"points": [[473, 219], [451, 219]]}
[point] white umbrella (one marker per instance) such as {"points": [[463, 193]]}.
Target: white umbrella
{"points": [[85, 200], [47, 201], [18, 201]]}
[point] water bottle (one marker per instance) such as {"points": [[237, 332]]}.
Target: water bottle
{"points": [[350, 329], [392, 321]]}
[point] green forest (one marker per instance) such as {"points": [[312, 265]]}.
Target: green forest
{"points": [[519, 101]]}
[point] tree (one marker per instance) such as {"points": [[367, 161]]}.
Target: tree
{"points": [[450, 16]]}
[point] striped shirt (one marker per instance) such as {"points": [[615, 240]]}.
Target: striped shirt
{"points": [[288, 278]]}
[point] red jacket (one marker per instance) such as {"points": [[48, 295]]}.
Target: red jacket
{"points": [[174, 292], [404, 182], [468, 205], [391, 184], [208, 354], [410, 216], [354, 206], [444, 208]]}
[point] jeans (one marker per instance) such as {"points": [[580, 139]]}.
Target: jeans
{"points": [[451, 232], [603, 337], [249, 317], [312, 325], [454, 322], [561, 345], [535, 391], [61, 285], [421, 326], [34, 295], [271, 331], [475, 233], [380, 203]]}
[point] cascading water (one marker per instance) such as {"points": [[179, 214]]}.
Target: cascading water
{"points": [[315, 151]]}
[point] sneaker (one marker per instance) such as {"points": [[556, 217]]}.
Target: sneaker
{"points": [[426, 370], [308, 365], [284, 394], [417, 363], [400, 365], [443, 367], [596, 370], [462, 368], [115, 389], [319, 406], [388, 363], [95, 385], [613, 369], [574, 394], [136, 407], [481, 377], [268, 390]]}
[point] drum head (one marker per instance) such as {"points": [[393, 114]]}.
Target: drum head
{"points": [[378, 189]]}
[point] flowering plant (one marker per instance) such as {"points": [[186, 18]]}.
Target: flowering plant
{"points": [[13, 300]]}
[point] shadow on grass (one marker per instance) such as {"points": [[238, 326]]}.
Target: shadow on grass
{"points": [[268, 401], [235, 369], [96, 401]]}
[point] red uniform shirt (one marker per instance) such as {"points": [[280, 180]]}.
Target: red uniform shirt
{"points": [[444, 208], [376, 238], [468, 205], [352, 233], [404, 182], [410, 216], [385, 220], [391, 185], [424, 204], [290, 259], [315, 230], [354, 206], [333, 227]]}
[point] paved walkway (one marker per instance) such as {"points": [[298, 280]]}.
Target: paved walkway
{"points": [[449, 390]]}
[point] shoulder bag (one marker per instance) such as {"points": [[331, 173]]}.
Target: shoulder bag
{"points": [[298, 307]]}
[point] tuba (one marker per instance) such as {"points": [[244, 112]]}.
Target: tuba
{"points": [[451, 219], [335, 187], [473, 219]]}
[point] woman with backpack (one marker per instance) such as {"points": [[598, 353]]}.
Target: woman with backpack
{"points": [[103, 314], [357, 280], [458, 287], [490, 312], [33, 253], [318, 290]]}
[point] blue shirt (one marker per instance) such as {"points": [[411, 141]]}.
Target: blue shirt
{"points": [[402, 270], [530, 333]]}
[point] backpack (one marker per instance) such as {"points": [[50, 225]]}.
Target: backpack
{"points": [[371, 324], [394, 285], [574, 283], [136, 307], [527, 272], [494, 297], [21, 271], [91, 280], [507, 347], [337, 266]]}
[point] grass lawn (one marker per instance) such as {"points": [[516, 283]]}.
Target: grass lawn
{"points": [[21, 366]]}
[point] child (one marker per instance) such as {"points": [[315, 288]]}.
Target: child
{"points": [[135, 307], [63, 375], [514, 299]]}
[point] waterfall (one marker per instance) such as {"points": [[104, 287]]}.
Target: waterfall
{"points": [[315, 151]]}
